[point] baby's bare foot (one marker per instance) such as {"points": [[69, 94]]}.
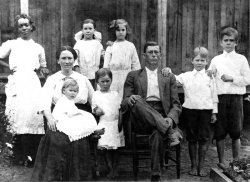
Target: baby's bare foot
{"points": [[99, 131]]}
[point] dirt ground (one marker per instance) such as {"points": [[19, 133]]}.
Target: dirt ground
{"points": [[10, 173]]}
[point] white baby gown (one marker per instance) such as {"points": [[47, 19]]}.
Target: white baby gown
{"points": [[72, 121]]}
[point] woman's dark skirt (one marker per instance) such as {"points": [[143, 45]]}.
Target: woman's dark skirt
{"points": [[58, 159]]}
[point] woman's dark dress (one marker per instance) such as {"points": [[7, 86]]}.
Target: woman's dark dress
{"points": [[58, 159]]}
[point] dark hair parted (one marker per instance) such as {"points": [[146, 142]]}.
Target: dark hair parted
{"points": [[66, 48], [114, 25], [25, 16], [88, 21], [103, 72], [150, 43], [229, 31]]}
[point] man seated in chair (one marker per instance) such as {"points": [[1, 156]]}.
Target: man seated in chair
{"points": [[152, 102]]}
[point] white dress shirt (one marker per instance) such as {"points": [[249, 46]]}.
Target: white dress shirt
{"points": [[199, 90], [235, 65], [153, 92]]}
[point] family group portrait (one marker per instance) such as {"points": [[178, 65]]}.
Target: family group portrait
{"points": [[125, 90]]}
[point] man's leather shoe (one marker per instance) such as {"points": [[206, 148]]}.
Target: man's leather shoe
{"points": [[155, 178], [174, 136]]}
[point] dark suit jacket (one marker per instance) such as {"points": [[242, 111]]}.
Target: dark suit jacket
{"points": [[136, 84]]}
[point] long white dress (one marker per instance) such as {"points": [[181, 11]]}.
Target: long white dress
{"points": [[72, 121], [109, 102], [121, 58], [23, 89]]}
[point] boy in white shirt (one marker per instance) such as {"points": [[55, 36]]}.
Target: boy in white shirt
{"points": [[199, 109], [232, 74]]}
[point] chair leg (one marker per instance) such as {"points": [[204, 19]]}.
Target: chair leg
{"points": [[166, 159], [96, 171], [135, 157], [178, 161]]}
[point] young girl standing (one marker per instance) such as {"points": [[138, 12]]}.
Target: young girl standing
{"points": [[120, 57], [106, 103], [89, 51]]}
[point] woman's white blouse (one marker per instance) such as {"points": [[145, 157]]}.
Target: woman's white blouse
{"points": [[52, 89], [23, 54]]}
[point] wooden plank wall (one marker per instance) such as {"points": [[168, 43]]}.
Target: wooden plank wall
{"points": [[8, 10], [189, 23], [201, 21], [59, 20]]}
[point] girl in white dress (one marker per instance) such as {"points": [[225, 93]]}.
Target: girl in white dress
{"points": [[72, 121], [121, 57], [106, 104], [89, 51], [23, 87]]}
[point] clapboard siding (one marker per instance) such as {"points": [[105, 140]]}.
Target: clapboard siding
{"points": [[187, 24]]}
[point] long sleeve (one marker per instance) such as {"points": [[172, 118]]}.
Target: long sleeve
{"points": [[42, 59], [47, 94], [94, 101], [175, 109], [214, 96], [60, 110], [179, 78], [90, 91], [244, 78], [5, 49], [135, 63], [128, 90], [107, 57]]}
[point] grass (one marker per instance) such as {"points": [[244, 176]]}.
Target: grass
{"points": [[5, 137]]}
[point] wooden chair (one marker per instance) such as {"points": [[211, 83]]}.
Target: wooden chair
{"points": [[137, 145]]}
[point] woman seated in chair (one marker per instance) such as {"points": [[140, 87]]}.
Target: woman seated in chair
{"points": [[58, 157]]}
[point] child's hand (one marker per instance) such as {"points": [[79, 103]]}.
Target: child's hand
{"points": [[98, 111], [213, 72], [226, 78], [213, 118], [44, 71], [109, 43], [166, 71]]}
